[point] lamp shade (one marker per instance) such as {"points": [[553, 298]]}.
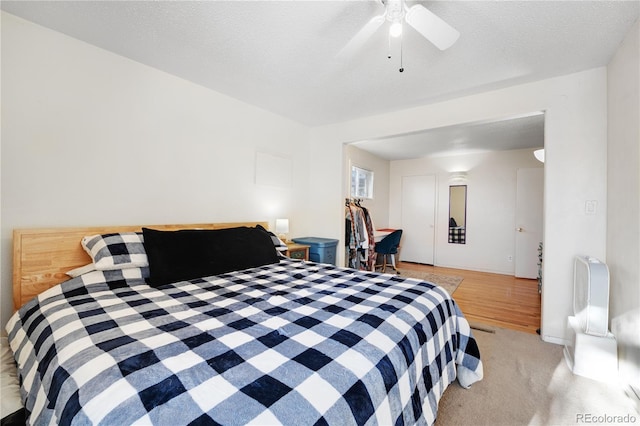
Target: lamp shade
{"points": [[539, 154], [282, 226]]}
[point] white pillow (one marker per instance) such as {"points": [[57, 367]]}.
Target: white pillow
{"points": [[9, 385]]}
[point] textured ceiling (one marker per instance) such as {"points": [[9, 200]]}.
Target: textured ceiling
{"points": [[282, 55], [471, 138]]}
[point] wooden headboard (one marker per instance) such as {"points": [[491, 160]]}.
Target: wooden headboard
{"points": [[41, 257]]}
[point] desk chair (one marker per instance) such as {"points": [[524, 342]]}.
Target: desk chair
{"points": [[387, 248]]}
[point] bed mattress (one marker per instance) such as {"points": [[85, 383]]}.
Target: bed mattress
{"points": [[288, 343]]}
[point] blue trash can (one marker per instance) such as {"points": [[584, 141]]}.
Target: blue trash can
{"points": [[321, 250]]}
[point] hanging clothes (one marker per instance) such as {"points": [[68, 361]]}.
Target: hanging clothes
{"points": [[359, 238], [371, 258]]}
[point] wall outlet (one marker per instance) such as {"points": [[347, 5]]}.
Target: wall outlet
{"points": [[510, 258]]}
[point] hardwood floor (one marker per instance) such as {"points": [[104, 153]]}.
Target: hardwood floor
{"points": [[493, 299]]}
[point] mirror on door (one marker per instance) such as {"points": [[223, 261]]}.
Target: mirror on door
{"points": [[457, 214]]}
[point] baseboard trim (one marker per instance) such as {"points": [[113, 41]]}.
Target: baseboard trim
{"points": [[554, 340]]}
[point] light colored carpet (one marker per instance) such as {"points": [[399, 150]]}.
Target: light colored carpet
{"points": [[448, 282], [527, 382]]}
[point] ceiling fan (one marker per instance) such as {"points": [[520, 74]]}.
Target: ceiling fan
{"points": [[421, 19]]}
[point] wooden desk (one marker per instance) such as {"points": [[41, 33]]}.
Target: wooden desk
{"points": [[297, 251], [379, 234]]}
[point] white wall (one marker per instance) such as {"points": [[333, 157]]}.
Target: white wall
{"points": [[575, 169], [71, 111], [623, 227], [491, 201], [378, 206], [92, 138]]}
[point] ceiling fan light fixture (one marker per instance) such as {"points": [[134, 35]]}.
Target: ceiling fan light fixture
{"points": [[427, 24], [396, 29]]}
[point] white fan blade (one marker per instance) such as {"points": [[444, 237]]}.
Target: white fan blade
{"points": [[434, 29], [361, 36]]}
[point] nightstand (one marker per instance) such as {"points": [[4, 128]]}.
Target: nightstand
{"points": [[297, 251]]}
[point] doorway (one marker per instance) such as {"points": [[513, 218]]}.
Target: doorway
{"points": [[529, 221], [418, 218], [490, 152]]}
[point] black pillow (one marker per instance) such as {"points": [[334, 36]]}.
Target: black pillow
{"points": [[192, 253], [276, 241]]}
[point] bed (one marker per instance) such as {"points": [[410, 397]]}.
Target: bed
{"points": [[278, 342]]}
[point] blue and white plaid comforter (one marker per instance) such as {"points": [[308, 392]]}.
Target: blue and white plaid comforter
{"points": [[291, 343]]}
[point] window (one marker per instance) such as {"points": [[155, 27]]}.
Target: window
{"points": [[361, 183]]}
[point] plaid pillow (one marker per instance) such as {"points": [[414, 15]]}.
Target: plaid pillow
{"points": [[116, 251]]}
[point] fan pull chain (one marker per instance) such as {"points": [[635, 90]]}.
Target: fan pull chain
{"points": [[389, 50], [401, 67]]}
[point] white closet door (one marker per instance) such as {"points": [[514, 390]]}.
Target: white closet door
{"points": [[529, 199], [418, 218]]}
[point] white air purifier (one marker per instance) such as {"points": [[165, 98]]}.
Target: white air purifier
{"points": [[591, 295], [592, 350]]}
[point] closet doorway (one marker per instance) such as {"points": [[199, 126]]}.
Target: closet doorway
{"points": [[418, 219], [529, 221]]}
